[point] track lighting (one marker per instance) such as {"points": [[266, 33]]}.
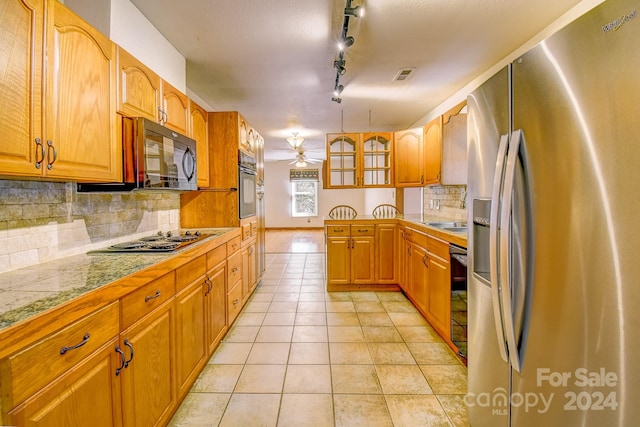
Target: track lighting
{"points": [[338, 90], [336, 99], [346, 42], [339, 64], [357, 11]]}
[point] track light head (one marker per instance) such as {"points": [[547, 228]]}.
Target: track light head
{"points": [[346, 42], [357, 11], [336, 99], [340, 66], [338, 90]]}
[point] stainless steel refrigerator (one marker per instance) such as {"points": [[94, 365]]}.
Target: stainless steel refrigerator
{"points": [[554, 259]]}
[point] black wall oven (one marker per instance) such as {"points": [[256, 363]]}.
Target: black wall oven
{"points": [[247, 175]]}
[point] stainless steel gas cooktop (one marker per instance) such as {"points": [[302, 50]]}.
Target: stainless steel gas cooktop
{"points": [[161, 242]]}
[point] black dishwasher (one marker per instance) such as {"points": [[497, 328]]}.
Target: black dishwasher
{"points": [[459, 298]]}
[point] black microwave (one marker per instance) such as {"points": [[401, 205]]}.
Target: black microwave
{"points": [[154, 158]]}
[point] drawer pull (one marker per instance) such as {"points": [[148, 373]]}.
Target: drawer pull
{"points": [[234, 270], [128, 344], [209, 284], [338, 230], [363, 231], [122, 362], [85, 339], [236, 301], [154, 296]]}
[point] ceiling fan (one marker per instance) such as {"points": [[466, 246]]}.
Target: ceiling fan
{"points": [[302, 161]]}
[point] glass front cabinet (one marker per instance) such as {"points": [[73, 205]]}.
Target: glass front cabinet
{"points": [[359, 160]]}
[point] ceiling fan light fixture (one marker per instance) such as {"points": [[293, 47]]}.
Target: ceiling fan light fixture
{"points": [[301, 164], [294, 141]]}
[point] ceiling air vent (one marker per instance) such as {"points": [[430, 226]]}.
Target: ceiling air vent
{"points": [[403, 74]]}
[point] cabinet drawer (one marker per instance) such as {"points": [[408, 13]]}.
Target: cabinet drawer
{"points": [[32, 368], [254, 228], [438, 247], [216, 256], [233, 245], [189, 272], [143, 300], [362, 230], [234, 301], [234, 268], [246, 231], [338, 230], [419, 238]]}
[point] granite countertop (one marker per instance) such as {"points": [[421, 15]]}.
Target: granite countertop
{"points": [[420, 221], [32, 290]]}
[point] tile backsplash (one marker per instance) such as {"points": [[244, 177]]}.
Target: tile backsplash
{"points": [[446, 201], [43, 221]]}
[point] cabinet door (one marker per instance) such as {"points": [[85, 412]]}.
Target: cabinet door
{"points": [[433, 151], [385, 248], [190, 334], [419, 276], [362, 260], [342, 160], [21, 39], [253, 267], [439, 295], [87, 395], [376, 159], [80, 98], [148, 383], [409, 158], [338, 260], [216, 306], [175, 106], [246, 280], [200, 132], [138, 88]]}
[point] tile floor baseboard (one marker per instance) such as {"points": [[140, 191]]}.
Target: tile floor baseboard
{"points": [[299, 356]]}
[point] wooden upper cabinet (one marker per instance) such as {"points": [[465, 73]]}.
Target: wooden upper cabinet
{"points": [[433, 151], [359, 160], [377, 158], [80, 128], [20, 87], [409, 158], [138, 88], [175, 109], [454, 145], [199, 130], [73, 135]]}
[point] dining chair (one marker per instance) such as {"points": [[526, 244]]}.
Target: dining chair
{"points": [[342, 212], [385, 211]]}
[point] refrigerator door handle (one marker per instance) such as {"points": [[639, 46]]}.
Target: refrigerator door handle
{"points": [[493, 246], [505, 249]]}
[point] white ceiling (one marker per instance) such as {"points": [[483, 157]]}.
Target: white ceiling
{"points": [[272, 60]]}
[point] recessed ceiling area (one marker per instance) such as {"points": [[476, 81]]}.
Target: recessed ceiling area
{"points": [[272, 60]]}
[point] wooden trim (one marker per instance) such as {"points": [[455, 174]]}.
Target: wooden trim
{"points": [[367, 287], [294, 228]]}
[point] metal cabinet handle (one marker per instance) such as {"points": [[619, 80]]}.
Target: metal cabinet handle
{"points": [[236, 301], [234, 270], [207, 282], [128, 344], [55, 154], [424, 260], [85, 339], [42, 152], [122, 358], [154, 296]]}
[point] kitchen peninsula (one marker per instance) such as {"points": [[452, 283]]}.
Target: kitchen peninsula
{"points": [[387, 254]]}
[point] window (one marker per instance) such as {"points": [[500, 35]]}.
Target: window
{"points": [[304, 200]]}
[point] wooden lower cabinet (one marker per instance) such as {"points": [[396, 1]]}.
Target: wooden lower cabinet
{"points": [[362, 259], [216, 306], [249, 269], [148, 381], [438, 310], [87, 395], [350, 255], [419, 272], [191, 354], [386, 261], [338, 260]]}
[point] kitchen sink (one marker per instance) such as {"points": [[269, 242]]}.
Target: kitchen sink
{"points": [[448, 224], [456, 229]]}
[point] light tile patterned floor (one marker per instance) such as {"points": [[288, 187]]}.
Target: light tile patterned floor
{"points": [[299, 356]]}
